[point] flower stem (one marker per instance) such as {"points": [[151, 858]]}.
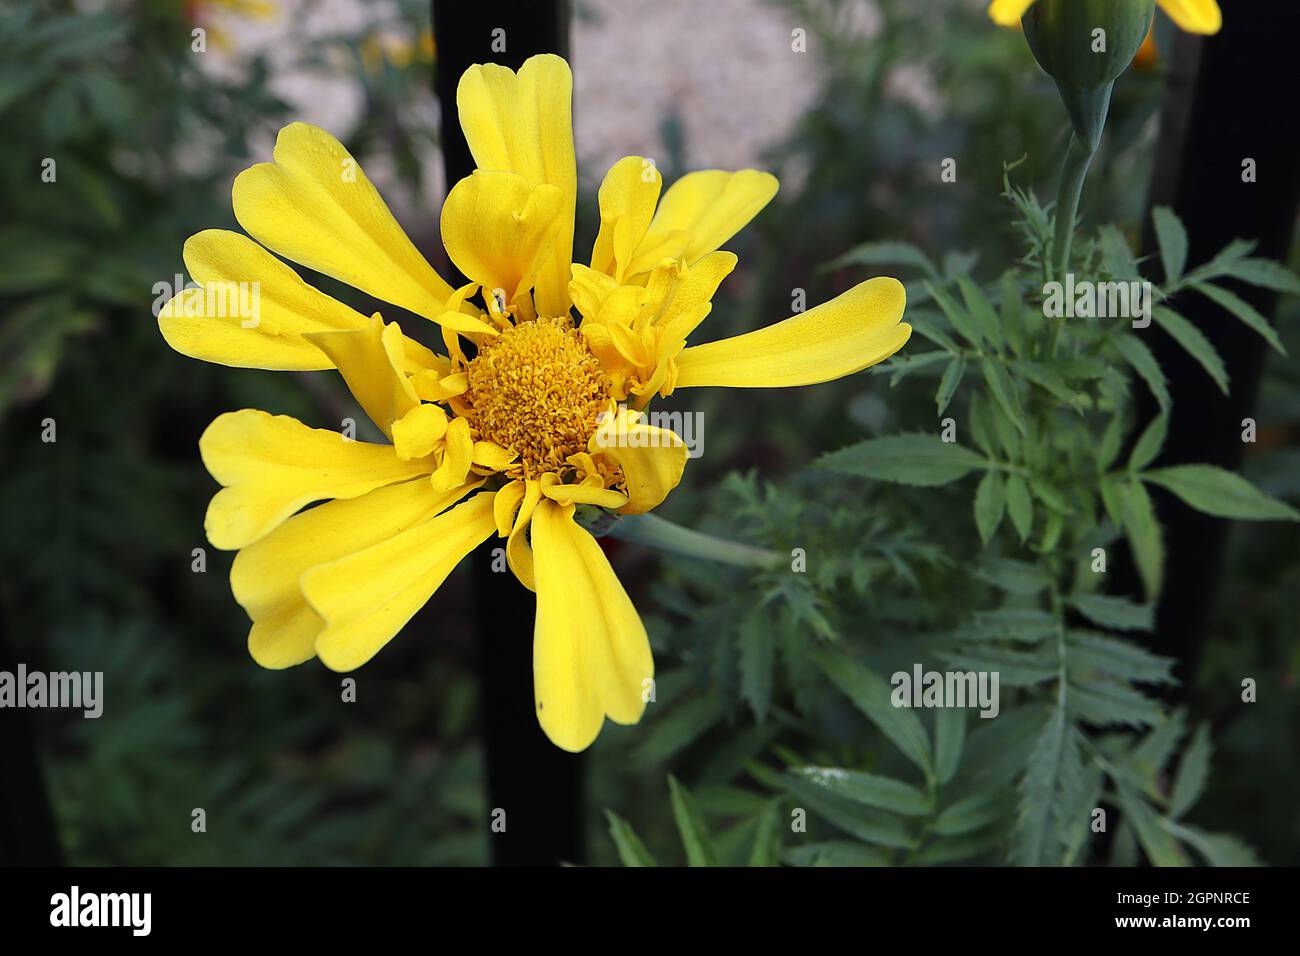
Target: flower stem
{"points": [[1078, 157], [655, 532]]}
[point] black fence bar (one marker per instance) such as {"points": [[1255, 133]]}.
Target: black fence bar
{"points": [[538, 786]]}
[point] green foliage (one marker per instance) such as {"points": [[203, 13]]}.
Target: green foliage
{"points": [[979, 547]]}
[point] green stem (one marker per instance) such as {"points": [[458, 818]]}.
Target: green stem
{"points": [[1077, 160], [655, 532]]}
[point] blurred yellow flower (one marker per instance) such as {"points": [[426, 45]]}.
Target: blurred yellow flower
{"points": [[523, 419], [1194, 16]]}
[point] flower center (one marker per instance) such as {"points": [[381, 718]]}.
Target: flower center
{"points": [[537, 390]]}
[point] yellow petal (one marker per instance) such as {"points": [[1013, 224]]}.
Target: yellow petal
{"points": [[367, 597], [490, 455], [653, 459], [711, 206], [522, 123], [591, 657], [627, 200], [418, 432], [693, 296], [586, 494], [1007, 13], [854, 330], [457, 456], [315, 206], [370, 361], [270, 466], [265, 575], [240, 276], [519, 554], [506, 504], [499, 230], [1194, 16]]}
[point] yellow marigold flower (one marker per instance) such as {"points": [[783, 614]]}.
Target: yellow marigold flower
{"points": [[1194, 16], [518, 424]]}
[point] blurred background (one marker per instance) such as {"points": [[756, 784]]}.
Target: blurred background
{"points": [[99, 528]]}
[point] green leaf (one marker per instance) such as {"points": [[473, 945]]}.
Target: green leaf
{"points": [[1244, 311], [1150, 443], [1015, 668], [1110, 703], [1267, 274], [973, 813], [1038, 792], [1014, 577], [1193, 772], [767, 836], [871, 695], [886, 254], [1004, 392], [883, 793], [631, 851], [981, 310], [990, 503], [700, 850], [965, 326], [1219, 849], [1013, 624], [1139, 356], [1195, 343], [1020, 506], [1092, 651], [1116, 613], [1221, 493], [948, 384], [909, 459], [757, 656], [1145, 536], [949, 739], [866, 823], [1172, 238], [1159, 845], [836, 853], [1111, 440]]}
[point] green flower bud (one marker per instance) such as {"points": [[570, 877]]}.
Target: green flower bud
{"points": [[1085, 45]]}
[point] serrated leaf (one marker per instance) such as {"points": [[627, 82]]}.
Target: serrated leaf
{"points": [[1101, 653], [1139, 356], [883, 793], [1244, 311], [866, 823], [1221, 493], [1110, 704], [1267, 274], [757, 657], [1020, 506], [990, 504], [1116, 613], [972, 813], [886, 254], [962, 322], [631, 851], [981, 311], [1172, 239], [1193, 772], [1159, 845], [949, 740], [1145, 537], [1004, 392], [948, 384], [1014, 577], [871, 695], [909, 459], [1218, 849], [1012, 623], [1015, 668], [1149, 443], [1038, 793], [836, 853], [1195, 343], [700, 850]]}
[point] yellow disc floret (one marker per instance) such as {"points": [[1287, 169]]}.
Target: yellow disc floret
{"points": [[537, 390]]}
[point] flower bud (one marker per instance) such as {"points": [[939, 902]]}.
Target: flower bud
{"points": [[1085, 45]]}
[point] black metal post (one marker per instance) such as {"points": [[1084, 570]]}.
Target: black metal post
{"points": [[537, 785], [28, 836], [1241, 106]]}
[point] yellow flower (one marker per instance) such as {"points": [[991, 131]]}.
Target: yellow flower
{"points": [[1194, 16], [518, 424]]}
